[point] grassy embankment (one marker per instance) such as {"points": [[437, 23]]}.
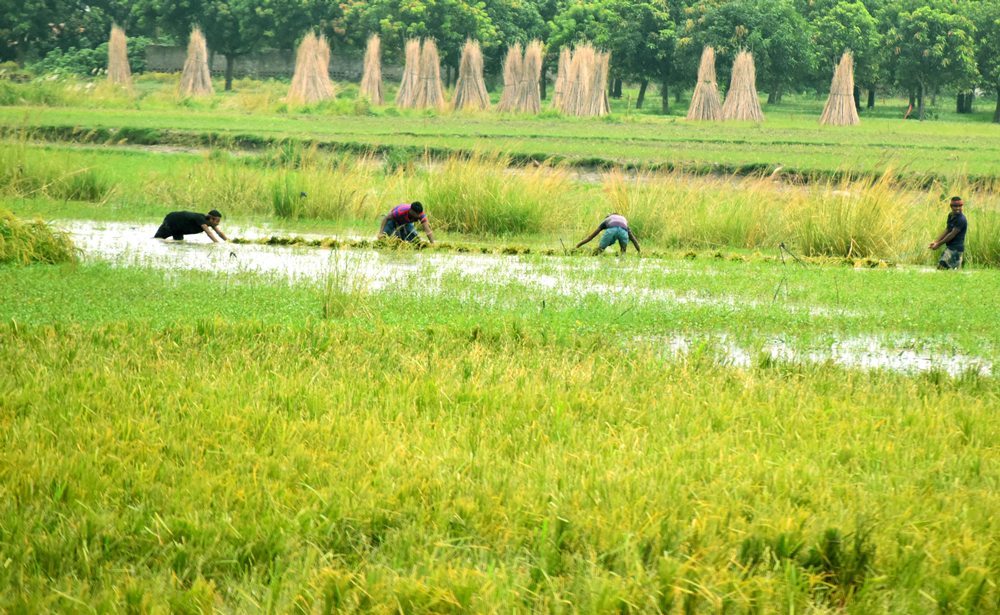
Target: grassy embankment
{"points": [[253, 116], [238, 443], [481, 200]]}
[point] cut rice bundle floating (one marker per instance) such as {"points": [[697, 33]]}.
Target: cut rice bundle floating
{"points": [[840, 109], [119, 71], [742, 103], [559, 90], [470, 89], [196, 80], [511, 79], [529, 98], [430, 94], [407, 94], [705, 104], [311, 82], [371, 81]]}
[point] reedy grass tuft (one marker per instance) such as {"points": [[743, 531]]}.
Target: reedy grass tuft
{"points": [[24, 243]]}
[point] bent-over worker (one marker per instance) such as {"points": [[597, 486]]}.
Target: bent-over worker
{"points": [[615, 228], [399, 222], [177, 224]]}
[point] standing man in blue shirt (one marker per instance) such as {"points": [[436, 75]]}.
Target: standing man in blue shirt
{"points": [[953, 237]]}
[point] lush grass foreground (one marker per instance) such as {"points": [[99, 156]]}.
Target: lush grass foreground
{"points": [[194, 444]]}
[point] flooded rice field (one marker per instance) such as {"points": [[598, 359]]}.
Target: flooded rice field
{"points": [[125, 244]]}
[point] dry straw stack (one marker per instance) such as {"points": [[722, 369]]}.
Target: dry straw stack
{"points": [[742, 103], [576, 96], [407, 94], [840, 109], [311, 82], [470, 89], [559, 90], [529, 97], [430, 94], [118, 69], [196, 80], [705, 101], [511, 78], [371, 82], [597, 93]]}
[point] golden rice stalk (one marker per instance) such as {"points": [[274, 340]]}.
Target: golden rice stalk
{"points": [[371, 81], [529, 97], [840, 109], [430, 94], [559, 90], [705, 104], [511, 79], [118, 69], [470, 89], [196, 80], [407, 94], [742, 103]]}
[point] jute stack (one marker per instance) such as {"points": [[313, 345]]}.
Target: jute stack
{"points": [[742, 103], [511, 79], [705, 100], [430, 94], [840, 109], [311, 82], [597, 93], [118, 69], [577, 97], [407, 94], [196, 80], [559, 90], [371, 81], [529, 98], [470, 89]]}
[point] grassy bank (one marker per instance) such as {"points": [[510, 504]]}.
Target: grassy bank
{"points": [[189, 443], [480, 196]]}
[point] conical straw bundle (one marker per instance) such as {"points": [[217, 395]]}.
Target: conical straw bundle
{"points": [[118, 69], [371, 81], [742, 103], [840, 109], [430, 94], [529, 97], [470, 89], [705, 100], [311, 82], [196, 80], [559, 90], [407, 94], [577, 97], [597, 93], [511, 79]]}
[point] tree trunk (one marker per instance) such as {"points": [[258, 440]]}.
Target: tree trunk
{"points": [[923, 94], [996, 114], [913, 98], [542, 82], [781, 90], [20, 54], [969, 97], [642, 93], [960, 103], [665, 94], [677, 95], [617, 93], [871, 97], [772, 95], [857, 98], [934, 94], [230, 61]]}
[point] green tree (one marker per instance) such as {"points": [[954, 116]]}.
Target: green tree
{"points": [[237, 28], [849, 26], [515, 21], [933, 48], [986, 18]]}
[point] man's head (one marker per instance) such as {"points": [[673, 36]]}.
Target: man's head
{"points": [[416, 208], [214, 217], [956, 204]]}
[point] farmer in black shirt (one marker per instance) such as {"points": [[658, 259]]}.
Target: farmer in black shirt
{"points": [[953, 237], [177, 224]]}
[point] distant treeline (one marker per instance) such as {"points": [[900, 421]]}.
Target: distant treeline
{"points": [[910, 46]]}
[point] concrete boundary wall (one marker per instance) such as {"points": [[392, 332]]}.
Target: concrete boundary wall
{"points": [[271, 63]]}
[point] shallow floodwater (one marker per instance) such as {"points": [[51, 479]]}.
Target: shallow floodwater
{"points": [[125, 244]]}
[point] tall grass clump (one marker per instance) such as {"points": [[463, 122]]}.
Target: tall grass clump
{"points": [[30, 173], [982, 241], [24, 243], [481, 194]]}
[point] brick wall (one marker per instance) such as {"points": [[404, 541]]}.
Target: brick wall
{"points": [[262, 65]]}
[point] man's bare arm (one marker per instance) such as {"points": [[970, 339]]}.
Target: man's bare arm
{"points": [[589, 238], [943, 239], [208, 231], [430, 233], [381, 228], [221, 234], [635, 242]]}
